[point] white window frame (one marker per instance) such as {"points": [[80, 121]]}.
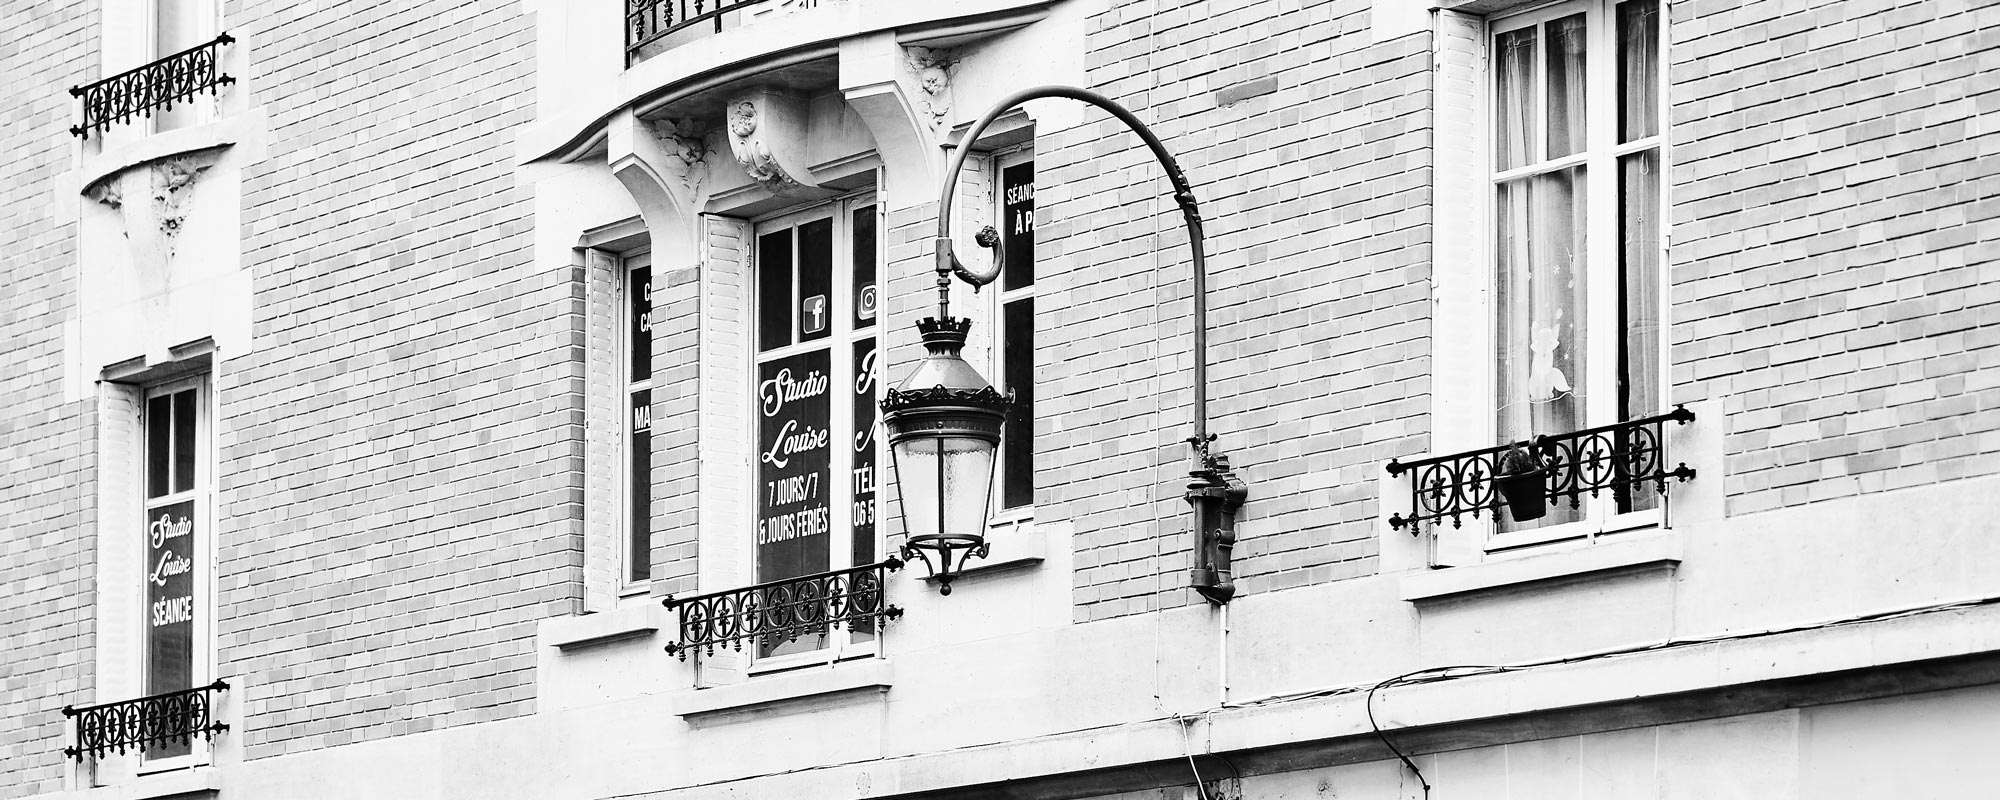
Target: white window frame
{"points": [[207, 24], [1003, 517], [1468, 311], [622, 297], [840, 640], [202, 670]]}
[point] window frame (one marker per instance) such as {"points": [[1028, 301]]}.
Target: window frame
{"points": [[1002, 515], [839, 642], [202, 496], [1602, 260], [204, 24], [1466, 423], [626, 585]]}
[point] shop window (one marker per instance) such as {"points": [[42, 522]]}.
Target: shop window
{"points": [[815, 405]]}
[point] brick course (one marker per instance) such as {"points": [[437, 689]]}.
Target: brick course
{"points": [[404, 442], [1307, 148], [1833, 194], [47, 456]]}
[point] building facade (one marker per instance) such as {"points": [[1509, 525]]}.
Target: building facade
{"points": [[443, 400]]}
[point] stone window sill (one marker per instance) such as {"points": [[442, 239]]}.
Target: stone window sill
{"points": [[198, 783], [1016, 545], [860, 676], [635, 621], [1623, 553]]}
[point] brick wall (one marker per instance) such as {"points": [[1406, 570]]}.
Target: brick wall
{"points": [[46, 457], [677, 336], [1834, 189], [402, 476], [1307, 146]]}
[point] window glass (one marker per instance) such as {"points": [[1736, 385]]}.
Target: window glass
{"points": [[1514, 106], [638, 366], [1566, 113], [172, 512], [1638, 70], [1017, 333], [774, 290]]}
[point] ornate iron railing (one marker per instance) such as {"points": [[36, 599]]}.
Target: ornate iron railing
{"points": [[648, 21], [1616, 458], [176, 78], [783, 610], [155, 721]]}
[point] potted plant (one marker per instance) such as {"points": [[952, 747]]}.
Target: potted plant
{"points": [[1522, 479]]}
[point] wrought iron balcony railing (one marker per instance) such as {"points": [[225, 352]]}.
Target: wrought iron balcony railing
{"points": [[784, 610], [1618, 458], [176, 78], [160, 720], [649, 21]]}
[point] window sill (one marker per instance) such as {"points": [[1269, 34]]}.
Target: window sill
{"points": [[590, 630], [1016, 545], [1612, 554], [865, 675], [199, 782]]}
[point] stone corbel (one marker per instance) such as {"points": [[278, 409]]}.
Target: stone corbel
{"points": [[903, 95], [768, 133], [665, 166]]}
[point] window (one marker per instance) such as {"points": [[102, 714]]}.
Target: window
{"points": [[1575, 168], [635, 288], [177, 25], [1016, 329], [174, 625], [817, 385]]}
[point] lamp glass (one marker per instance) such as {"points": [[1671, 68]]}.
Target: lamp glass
{"points": [[945, 483]]}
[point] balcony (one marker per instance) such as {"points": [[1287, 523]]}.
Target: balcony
{"points": [[1621, 458], [163, 720], [156, 86], [655, 25], [782, 611]]}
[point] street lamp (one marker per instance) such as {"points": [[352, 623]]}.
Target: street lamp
{"points": [[944, 426], [944, 421]]}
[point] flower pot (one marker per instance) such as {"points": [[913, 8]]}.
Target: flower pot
{"points": [[1526, 493]]}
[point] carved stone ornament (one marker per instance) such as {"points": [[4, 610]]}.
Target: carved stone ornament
{"points": [[930, 70], [106, 191], [687, 153], [173, 182], [750, 140]]}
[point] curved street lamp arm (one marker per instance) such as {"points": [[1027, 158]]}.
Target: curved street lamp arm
{"points": [[948, 264]]}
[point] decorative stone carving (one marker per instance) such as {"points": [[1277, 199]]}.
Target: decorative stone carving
{"points": [[767, 134], [106, 191], [752, 151], [687, 151], [930, 70], [173, 182]]}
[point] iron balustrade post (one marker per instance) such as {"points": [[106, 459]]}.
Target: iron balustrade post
{"points": [[1215, 492]]}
